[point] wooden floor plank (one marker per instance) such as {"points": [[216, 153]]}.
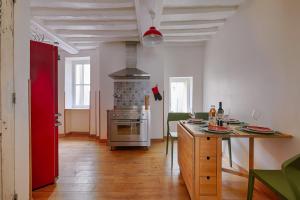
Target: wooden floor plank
{"points": [[90, 171]]}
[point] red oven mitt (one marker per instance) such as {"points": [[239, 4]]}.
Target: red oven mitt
{"points": [[156, 94]]}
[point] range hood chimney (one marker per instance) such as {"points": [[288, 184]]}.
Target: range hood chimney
{"points": [[131, 71]]}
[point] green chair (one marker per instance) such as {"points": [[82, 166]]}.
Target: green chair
{"points": [[284, 182], [204, 115], [201, 115], [172, 117]]}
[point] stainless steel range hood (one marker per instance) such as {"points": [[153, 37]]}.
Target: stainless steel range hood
{"points": [[131, 71]]}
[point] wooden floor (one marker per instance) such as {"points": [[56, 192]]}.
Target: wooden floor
{"points": [[89, 170]]}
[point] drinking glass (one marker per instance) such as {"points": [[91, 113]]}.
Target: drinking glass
{"points": [[227, 114], [255, 114]]}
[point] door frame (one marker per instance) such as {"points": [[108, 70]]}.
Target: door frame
{"points": [[7, 107]]}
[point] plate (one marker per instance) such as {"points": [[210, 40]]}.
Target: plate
{"points": [[218, 129], [196, 121], [258, 129], [233, 121]]}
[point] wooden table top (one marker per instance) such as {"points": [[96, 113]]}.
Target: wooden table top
{"points": [[197, 131]]}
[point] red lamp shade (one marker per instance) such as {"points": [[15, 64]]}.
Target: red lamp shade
{"points": [[152, 37]]}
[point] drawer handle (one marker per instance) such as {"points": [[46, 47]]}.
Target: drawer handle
{"points": [[207, 157], [208, 177], [208, 138]]}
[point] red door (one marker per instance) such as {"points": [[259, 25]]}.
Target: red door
{"points": [[43, 75]]}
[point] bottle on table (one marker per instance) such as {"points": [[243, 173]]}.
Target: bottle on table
{"points": [[220, 115], [212, 115]]}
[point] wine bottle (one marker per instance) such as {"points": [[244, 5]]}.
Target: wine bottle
{"points": [[220, 115]]}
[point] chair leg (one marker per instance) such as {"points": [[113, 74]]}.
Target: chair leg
{"points": [[172, 150], [251, 181], [167, 146], [229, 151]]}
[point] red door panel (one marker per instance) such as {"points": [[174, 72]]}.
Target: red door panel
{"points": [[43, 75], [56, 107]]}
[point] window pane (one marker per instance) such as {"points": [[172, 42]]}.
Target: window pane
{"points": [[78, 73], [87, 74], [86, 97], [77, 95], [178, 97], [181, 94]]}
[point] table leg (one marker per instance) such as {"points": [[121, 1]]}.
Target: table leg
{"points": [[251, 153]]}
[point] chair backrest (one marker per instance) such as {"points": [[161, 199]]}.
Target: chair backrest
{"points": [[173, 116], [201, 115], [291, 170]]}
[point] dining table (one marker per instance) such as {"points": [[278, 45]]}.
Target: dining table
{"points": [[200, 157]]}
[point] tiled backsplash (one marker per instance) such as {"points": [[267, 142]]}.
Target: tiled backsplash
{"points": [[130, 93]]}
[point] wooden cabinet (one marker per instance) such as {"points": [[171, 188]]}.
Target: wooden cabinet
{"points": [[186, 158], [200, 164], [208, 166]]}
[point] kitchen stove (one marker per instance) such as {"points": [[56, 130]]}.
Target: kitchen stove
{"points": [[128, 123], [128, 127]]}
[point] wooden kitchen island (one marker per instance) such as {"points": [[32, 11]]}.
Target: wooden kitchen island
{"points": [[200, 158]]}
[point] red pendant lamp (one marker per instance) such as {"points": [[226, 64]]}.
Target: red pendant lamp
{"points": [[152, 36]]}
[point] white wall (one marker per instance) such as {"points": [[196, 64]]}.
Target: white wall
{"points": [[112, 57], [253, 63], [21, 73], [76, 115], [151, 60], [185, 60]]}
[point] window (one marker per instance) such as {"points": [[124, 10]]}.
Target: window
{"points": [[181, 94], [81, 84]]}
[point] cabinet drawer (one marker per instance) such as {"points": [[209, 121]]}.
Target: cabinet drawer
{"points": [[208, 146], [208, 185], [208, 166]]}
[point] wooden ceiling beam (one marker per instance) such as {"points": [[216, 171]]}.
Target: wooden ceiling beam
{"points": [[92, 25], [82, 4], [83, 17], [189, 32], [101, 39], [128, 14], [186, 38], [192, 3], [193, 24], [198, 13], [91, 33]]}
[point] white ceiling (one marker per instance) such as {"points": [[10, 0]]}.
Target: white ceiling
{"points": [[83, 24]]}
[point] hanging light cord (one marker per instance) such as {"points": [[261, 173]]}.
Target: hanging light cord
{"points": [[152, 15]]}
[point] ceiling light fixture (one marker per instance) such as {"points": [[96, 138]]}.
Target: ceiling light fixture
{"points": [[152, 36]]}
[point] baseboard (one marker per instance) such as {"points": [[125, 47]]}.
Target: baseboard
{"points": [[73, 133], [103, 141], [79, 133], [60, 135]]}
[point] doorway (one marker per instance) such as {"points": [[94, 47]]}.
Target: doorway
{"points": [[77, 100]]}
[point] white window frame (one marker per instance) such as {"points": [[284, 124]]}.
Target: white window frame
{"points": [[189, 82], [74, 84]]}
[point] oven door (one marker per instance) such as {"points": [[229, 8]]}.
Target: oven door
{"points": [[129, 131]]}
